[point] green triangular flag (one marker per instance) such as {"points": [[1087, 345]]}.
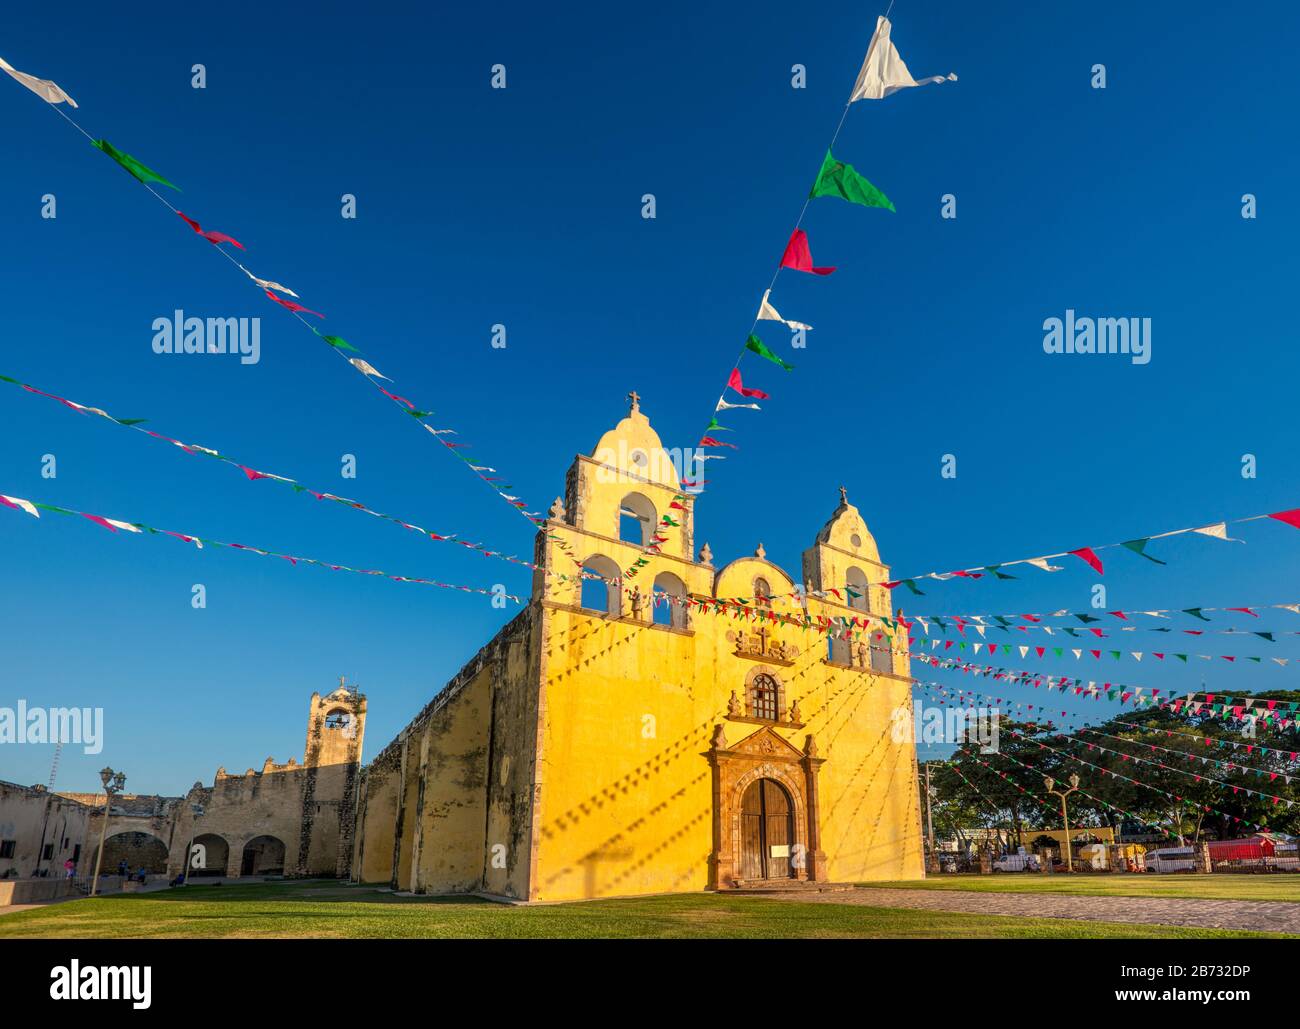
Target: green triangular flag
{"points": [[337, 341], [130, 421], [140, 172], [1138, 547], [837, 179], [912, 586], [1195, 612], [756, 346]]}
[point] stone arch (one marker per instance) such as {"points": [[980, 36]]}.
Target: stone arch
{"points": [[637, 519], [669, 612], [214, 855], [856, 579], [137, 848], [799, 812], [263, 855], [595, 595]]}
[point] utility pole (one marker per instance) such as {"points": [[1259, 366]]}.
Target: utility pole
{"points": [[929, 813]]}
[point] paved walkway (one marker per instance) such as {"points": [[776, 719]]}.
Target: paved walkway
{"points": [[1257, 915]]}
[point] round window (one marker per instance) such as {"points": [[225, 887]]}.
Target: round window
{"points": [[856, 540], [640, 458]]}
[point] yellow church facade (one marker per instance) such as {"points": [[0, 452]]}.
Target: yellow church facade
{"points": [[612, 740]]}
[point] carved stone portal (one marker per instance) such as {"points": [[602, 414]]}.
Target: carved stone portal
{"points": [[764, 755]]}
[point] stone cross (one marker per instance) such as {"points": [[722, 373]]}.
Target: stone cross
{"points": [[636, 400]]}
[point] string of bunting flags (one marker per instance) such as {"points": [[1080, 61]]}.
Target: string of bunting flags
{"points": [[1238, 708], [1051, 806], [147, 177], [972, 696], [961, 624], [254, 475], [1089, 555], [34, 508], [1144, 761], [882, 74], [1106, 804], [1078, 652]]}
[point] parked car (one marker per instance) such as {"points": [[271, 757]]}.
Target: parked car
{"points": [[1170, 859], [1020, 862]]}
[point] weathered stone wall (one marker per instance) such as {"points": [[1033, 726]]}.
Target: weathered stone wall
{"points": [[33, 818], [427, 824]]}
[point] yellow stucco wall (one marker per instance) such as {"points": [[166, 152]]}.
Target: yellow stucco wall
{"points": [[626, 800], [569, 759]]}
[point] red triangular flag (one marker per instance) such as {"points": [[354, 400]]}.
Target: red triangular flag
{"points": [[212, 237], [735, 383], [798, 256], [291, 305], [1291, 517], [1086, 554]]}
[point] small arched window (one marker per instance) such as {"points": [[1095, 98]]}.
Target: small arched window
{"points": [[762, 593], [636, 519], [856, 581], [765, 697], [669, 592], [601, 594]]}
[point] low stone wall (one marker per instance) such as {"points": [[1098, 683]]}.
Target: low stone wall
{"points": [[33, 891]]}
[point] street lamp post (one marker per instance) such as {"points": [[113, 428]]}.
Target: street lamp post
{"points": [[113, 782], [1049, 782]]}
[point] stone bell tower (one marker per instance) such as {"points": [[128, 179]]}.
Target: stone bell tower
{"points": [[331, 763]]}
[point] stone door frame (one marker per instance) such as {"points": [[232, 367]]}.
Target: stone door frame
{"points": [[763, 755]]}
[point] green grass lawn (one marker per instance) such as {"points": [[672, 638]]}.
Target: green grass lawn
{"points": [[1283, 887], [323, 909]]}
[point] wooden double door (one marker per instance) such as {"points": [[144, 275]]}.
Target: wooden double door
{"points": [[766, 831]]}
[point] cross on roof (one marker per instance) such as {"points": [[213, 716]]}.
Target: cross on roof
{"points": [[844, 495], [635, 397]]}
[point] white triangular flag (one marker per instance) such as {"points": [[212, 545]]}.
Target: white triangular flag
{"points": [[43, 88], [767, 312], [724, 406], [366, 368], [1040, 562], [1218, 531], [883, 72], [26, 505], [122, 525], [266, 283]]}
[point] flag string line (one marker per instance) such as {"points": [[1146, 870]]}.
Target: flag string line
{"points": [[1096, 652], [630, 572], [34, 508], [534, 518], [1124, 756], [1052, 807], [1243, 708], [1007, 620]]}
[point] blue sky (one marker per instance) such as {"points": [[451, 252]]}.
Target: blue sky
{"points": [[522, 206]]}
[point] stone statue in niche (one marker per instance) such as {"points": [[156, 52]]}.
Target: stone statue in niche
{"points": [[638, 602], [734, 708]]}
